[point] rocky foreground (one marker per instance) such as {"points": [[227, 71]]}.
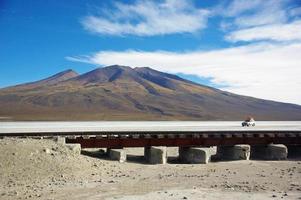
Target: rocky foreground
{"points": [[44, 169]]}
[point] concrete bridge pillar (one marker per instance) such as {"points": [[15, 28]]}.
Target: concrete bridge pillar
{"points": [[269, 152], [117, 154], [155, 155], [60, 140], [196, 154], [294, 151], [75, 148], [236, 152]]}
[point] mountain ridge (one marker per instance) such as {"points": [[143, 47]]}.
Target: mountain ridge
{"points": [[51, 80], [124, 93]]}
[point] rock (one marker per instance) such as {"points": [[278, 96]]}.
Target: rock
{"points": [[48, 151]]}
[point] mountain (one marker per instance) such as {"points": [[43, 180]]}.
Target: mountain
{"points": [[52, 80], [125, 93]]}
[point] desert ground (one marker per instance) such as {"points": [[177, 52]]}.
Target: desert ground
{"points": [[43, 169]]}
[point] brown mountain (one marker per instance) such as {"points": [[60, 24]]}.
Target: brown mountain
{"points": [[123, 93], [52, 80]]}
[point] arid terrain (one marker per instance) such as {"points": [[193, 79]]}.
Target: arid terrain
{"points": [[125, 93], [44, 169]]}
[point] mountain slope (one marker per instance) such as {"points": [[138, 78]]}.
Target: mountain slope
{"points": [[123, 93], [52, 80]]}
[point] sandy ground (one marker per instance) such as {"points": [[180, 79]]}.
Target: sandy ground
{"points": [[43, 169]]}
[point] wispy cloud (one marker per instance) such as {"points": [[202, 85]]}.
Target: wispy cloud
{"points": [[262, 70], [255, 13], [276, 32], [260, 20], [148, 18], [237, 7]]}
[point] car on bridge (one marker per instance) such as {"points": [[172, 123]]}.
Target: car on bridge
{"points": [[248, 122]]}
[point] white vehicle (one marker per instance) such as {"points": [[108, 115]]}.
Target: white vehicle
{"points": [[248, 122]]}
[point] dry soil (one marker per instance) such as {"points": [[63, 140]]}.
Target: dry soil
{"points": [[43, 169]]}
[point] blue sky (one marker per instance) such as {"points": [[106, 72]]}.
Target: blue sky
{"points": [[247, 47]]}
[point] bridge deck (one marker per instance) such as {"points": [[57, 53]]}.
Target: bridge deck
{"points": [[134, 127], [175, 133]]}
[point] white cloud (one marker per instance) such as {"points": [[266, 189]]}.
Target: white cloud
{"points": [[256, 12], [262, 70], [261, 20], [237, 7], [269, 12], [276, 32], [148, 18]]}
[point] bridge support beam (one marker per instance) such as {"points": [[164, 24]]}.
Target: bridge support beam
{"points": [[235, 152], [195, 155], [60, 140], [269, 152], [294, 151], [155, 155], [75, 148], [117, 154]]}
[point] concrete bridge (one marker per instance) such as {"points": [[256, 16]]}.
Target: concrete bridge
{"points": [[267, 140]]}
